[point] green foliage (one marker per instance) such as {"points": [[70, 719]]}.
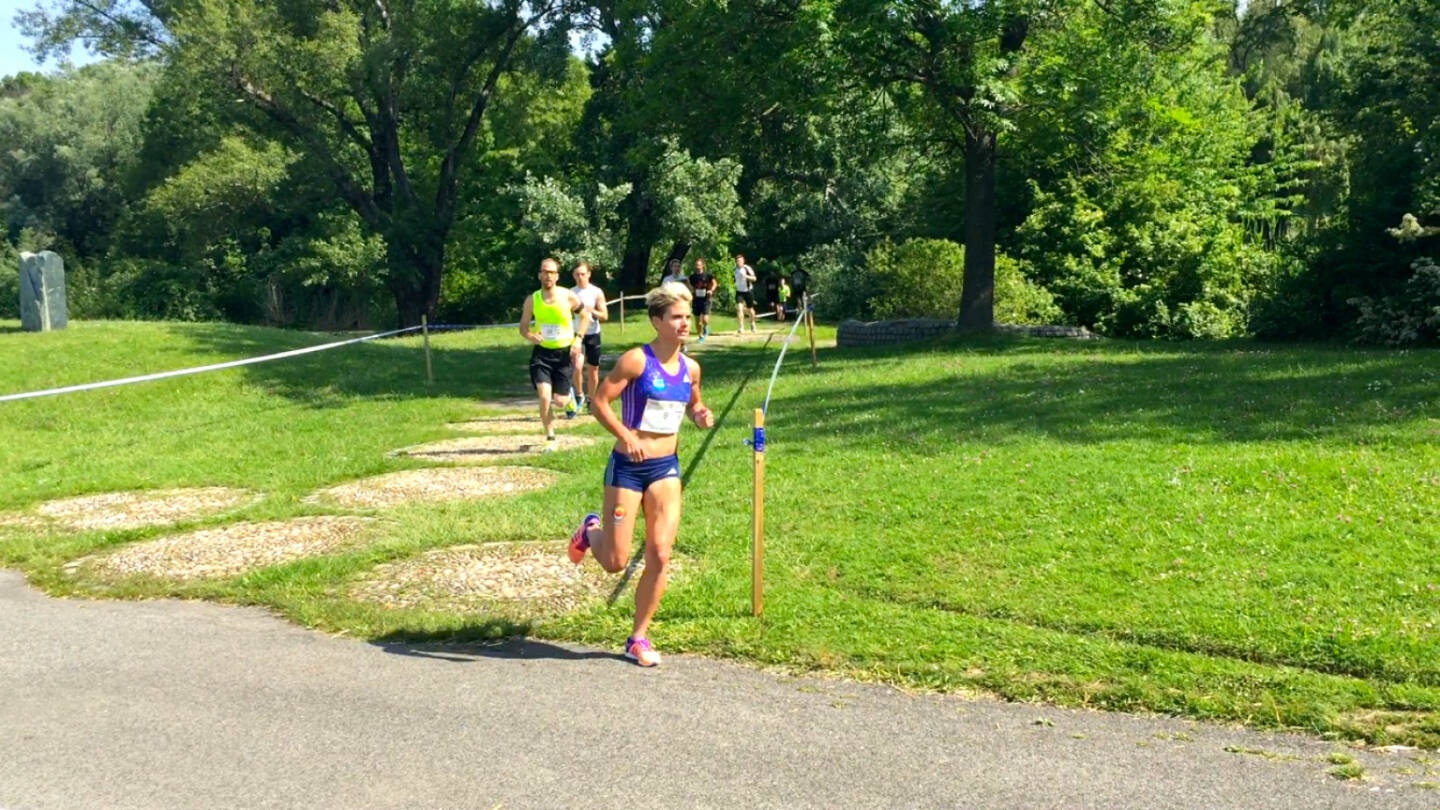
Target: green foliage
{"points": [[1018, 300], [698, 201], [695, 203], [1409, 319], [9, 280], [574, 224], [922, 278], [919, 278], [70, 140], [841, 286]]}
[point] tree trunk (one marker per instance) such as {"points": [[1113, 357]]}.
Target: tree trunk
{"points": [[977, 298], [639, 238], [677, 252], [416, 267], [636, 264]]}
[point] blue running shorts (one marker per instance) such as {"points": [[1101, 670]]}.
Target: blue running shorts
{"points": [[638, 476]]}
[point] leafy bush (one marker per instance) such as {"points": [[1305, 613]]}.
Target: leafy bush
{"points": [[9, 280], [1291, 302], [145, 289], [1132, 267], [838, 280], [1020, 300], [918, 278], [923, 278], [1410, 319]]}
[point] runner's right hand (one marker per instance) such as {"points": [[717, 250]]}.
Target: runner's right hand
{"points": [[633, 450]]}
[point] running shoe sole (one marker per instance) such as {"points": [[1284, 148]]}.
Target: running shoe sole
{"points": [[580, 541], [641, 653]]}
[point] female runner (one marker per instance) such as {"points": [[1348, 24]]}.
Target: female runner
{"points": [[658, 387]]}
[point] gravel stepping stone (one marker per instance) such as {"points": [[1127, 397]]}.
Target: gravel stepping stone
{"points": [[235, 549], [513, 579], [131, 510], [485, 449], [434, 485], [513, 424]]}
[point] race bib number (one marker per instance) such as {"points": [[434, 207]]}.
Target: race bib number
{"points": [[662, 416], [701, 292], [550, 331]]}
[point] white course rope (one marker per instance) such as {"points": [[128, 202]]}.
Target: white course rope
{"points": [[69, 389], [799, 317], [198, 369]]}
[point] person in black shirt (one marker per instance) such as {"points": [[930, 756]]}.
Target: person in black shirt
{"points": [[772, 289], [702, 285], [799, 282]]}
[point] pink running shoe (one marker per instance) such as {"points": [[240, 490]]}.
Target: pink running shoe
{"points": [[640, 651], [580, 540]]}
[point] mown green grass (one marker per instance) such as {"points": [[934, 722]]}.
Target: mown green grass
{"points": [[1235, 531]]}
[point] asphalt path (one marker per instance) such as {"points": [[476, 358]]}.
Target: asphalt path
{"points": [[167, 704]]}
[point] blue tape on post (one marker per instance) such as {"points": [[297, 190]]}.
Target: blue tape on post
{"points": [[759, 441]]}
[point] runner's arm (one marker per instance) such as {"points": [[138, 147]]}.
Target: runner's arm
{"points": [[627, 369], [527, 313], [577, 306], [696, 410], [601, 312]]}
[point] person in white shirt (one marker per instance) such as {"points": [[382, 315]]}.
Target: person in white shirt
{"points": [[586, 356], [673, 274], [744, 293]]}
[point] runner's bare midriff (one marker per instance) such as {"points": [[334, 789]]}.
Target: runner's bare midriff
{"points": [[654, 444]]}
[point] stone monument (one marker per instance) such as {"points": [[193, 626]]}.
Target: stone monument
{"points": [[42, 292]]}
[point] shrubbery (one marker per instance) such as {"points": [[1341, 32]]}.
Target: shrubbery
{"points": [[9, 280], [923, 278], [1410, 319]]}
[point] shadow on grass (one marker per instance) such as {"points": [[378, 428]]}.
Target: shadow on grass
{"points": [[1087, 392], [384, 368], [388, 368]]}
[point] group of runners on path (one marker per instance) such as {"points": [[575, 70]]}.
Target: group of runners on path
{"points": [[658, 387]]}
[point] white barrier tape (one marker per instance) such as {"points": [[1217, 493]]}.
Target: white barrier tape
{"points": [[198, 369], [799, 318], [442, 327]]}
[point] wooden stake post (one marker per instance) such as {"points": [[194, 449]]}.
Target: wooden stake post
{"points": [[622, 312], [757, 527], [809, 316], [425, 331]]}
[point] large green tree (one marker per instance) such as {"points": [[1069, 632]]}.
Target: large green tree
{"points": [[391, 99], [956, 67], [70, 141]]}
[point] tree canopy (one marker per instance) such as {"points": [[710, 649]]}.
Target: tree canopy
{"points": [[1170, 169]]}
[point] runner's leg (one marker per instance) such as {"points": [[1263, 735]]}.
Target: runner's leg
{"points": [[610, 541], [662, 523]]}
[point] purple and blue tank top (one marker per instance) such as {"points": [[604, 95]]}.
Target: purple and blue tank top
{"points": [[655, 401]]}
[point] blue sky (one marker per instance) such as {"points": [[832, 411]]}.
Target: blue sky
{"points": [[13, 57]]}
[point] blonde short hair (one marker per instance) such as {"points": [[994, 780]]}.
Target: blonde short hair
{"points": [[663, 297]]}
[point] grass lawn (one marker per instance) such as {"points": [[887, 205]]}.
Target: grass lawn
{"points": [[1236, 531]]}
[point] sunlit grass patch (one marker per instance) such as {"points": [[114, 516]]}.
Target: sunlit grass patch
{"points": [[1232, 531]]}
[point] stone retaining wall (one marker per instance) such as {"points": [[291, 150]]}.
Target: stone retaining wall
{"points": [[875, 333]]}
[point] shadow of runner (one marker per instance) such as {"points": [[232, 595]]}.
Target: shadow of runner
{"points": [[690, 468], [470, 652]]}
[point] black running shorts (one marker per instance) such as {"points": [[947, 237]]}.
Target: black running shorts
{"points": [[591, 345], [551, 366]]}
